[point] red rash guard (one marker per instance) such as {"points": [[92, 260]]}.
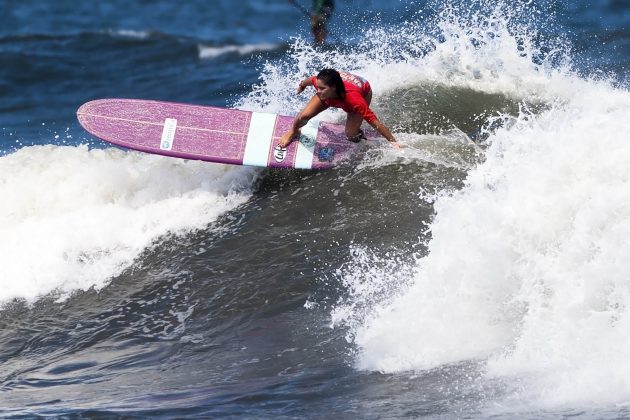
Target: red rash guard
{"points": [[357, 88]]}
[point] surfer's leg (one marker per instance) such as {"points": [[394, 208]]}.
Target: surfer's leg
{"points": [[353, 127], [354, 121]]}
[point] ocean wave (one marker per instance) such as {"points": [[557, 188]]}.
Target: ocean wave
{"points": [[525, 268], [74, 218]]}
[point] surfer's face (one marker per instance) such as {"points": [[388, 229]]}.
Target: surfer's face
{"points": [[325, 91]]}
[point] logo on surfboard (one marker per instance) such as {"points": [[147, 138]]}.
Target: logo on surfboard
{"points": [[307, 140], [279, 153], [168, 134], [326, 154]]}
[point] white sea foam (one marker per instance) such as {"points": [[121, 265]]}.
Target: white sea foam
{"points": [[445, 50], [72, 218], [207, 51], [528, 265], [130, 33]]}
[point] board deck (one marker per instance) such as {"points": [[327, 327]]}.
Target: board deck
{"points": [[214, 134]]}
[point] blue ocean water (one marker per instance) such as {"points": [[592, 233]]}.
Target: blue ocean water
{"points": [[450, 280]]}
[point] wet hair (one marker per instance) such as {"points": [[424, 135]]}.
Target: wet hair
{"points": [[332, 78]]}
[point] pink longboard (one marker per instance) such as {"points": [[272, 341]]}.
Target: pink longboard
{"points": [[214, 134]]}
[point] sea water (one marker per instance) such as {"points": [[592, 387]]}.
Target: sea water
{"points": [[453, 279]]}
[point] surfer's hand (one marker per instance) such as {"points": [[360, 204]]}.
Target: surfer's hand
{"points": [[300, 88], [396, 145]]}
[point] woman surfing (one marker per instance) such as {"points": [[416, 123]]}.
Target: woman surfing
{"points": [[342, 90]]}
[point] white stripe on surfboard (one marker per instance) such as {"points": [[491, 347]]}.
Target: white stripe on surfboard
{"points": [[259, 139], [306, 146]]}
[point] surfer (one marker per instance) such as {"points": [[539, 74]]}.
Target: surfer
{"points": [[321, 13], [342, 90]]}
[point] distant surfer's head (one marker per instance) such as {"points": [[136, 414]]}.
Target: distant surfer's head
{"points": [[330, 85]]}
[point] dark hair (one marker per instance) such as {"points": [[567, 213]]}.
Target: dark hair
{"points": [[332, 78]]}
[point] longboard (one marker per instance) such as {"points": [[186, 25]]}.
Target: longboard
{"points": [[214, 134]]}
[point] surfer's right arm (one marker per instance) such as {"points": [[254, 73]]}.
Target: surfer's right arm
{"points": [[311, 109], [304, 84], [299, 122]]}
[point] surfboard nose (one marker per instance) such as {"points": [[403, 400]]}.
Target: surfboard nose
{"points": [[87, 111], [86, 107], [91, 108]]}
